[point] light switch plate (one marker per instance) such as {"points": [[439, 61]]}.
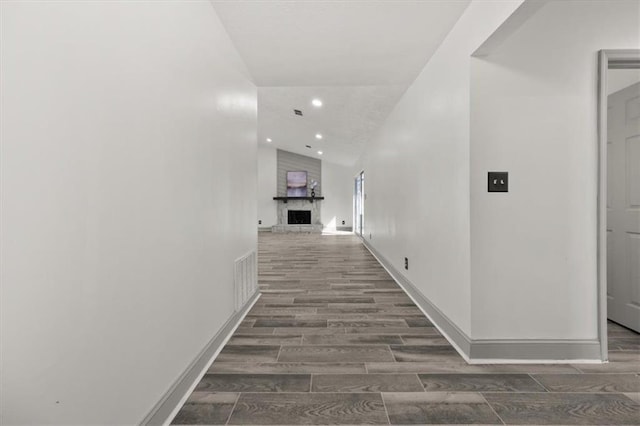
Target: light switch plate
{"points": [[498, 182]]}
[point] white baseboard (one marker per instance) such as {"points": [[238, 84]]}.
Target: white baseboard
{"points": [[169, 405], [445, 326], [500, 351]]}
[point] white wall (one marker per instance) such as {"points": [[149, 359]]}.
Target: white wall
{"points": [[337, 188], [533, 262], [417, 170], [267, 186], [128, 189]]}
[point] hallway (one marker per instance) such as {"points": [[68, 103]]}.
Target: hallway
{"points": [[334, 340]]}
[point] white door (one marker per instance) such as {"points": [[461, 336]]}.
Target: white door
{"points": [[359, 203], [623, 207]]}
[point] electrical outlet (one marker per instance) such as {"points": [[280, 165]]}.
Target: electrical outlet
{"points": [[498, 182], [406, 263], [343, 222], [259, 222]]}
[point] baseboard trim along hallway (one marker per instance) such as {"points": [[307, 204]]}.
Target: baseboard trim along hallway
{"points": [[503, 351], [166, 409], [449, 330]]}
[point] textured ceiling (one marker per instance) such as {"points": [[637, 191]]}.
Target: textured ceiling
{"points": [[357, 56], [349, 117]]}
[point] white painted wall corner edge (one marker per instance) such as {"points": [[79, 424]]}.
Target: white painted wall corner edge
{"points": [[171, 402], [504, 351]]}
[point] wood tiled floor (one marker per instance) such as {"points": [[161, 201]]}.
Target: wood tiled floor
{"points": [[334, 340]]}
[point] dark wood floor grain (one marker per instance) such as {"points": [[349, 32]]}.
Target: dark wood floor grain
{"points": [[438, 408], [249, 353], [214, 382], [480, 383], [309, 409], [333, 334], [317, 353], [589, 382], [366, 383], [206, 408], [565, 408]]}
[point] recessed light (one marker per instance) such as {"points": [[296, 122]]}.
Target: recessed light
{"points": [[318, 136], [269, 140], [319, 152], [316, 103]]}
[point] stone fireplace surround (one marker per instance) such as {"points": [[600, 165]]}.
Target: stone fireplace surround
{"points": [[283, 216]]}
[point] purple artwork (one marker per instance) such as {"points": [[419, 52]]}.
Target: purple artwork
{"points": [[296, 184]]}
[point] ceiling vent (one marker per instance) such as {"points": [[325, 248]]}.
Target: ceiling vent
{"points": [[298, 112]]}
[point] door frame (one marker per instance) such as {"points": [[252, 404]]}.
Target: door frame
{"points": [[607, 59], [358, 230]]}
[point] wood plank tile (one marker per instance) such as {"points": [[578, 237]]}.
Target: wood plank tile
{"points": [[307, 331], [352, 339], [289, 322], [308, 409], [336, 317], [253, 331], [256, 339], [565, 408], [397, 323], [361, 306], [458, 365], [352, 286], [336, 299], [426, 331], [270, 312], [288, 367], [624, 344], [438, 408], [220, 382], [366, 383], [590, 382], [479, 383], [423, 353], [424, 340], [619, 362], [375, 309], [361, 353], [300, 305], [206, 408], [418, 322], [248, 353]]}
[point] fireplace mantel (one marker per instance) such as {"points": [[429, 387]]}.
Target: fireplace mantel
{"points": [[286, 199]]}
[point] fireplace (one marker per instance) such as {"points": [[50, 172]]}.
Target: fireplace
{"points": [[299, 217]]}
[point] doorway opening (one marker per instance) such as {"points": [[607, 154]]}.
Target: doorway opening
{"points": [[358, 202], [618, 194]]}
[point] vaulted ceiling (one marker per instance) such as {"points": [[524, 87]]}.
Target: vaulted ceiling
{"points": [[358, 57]]}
